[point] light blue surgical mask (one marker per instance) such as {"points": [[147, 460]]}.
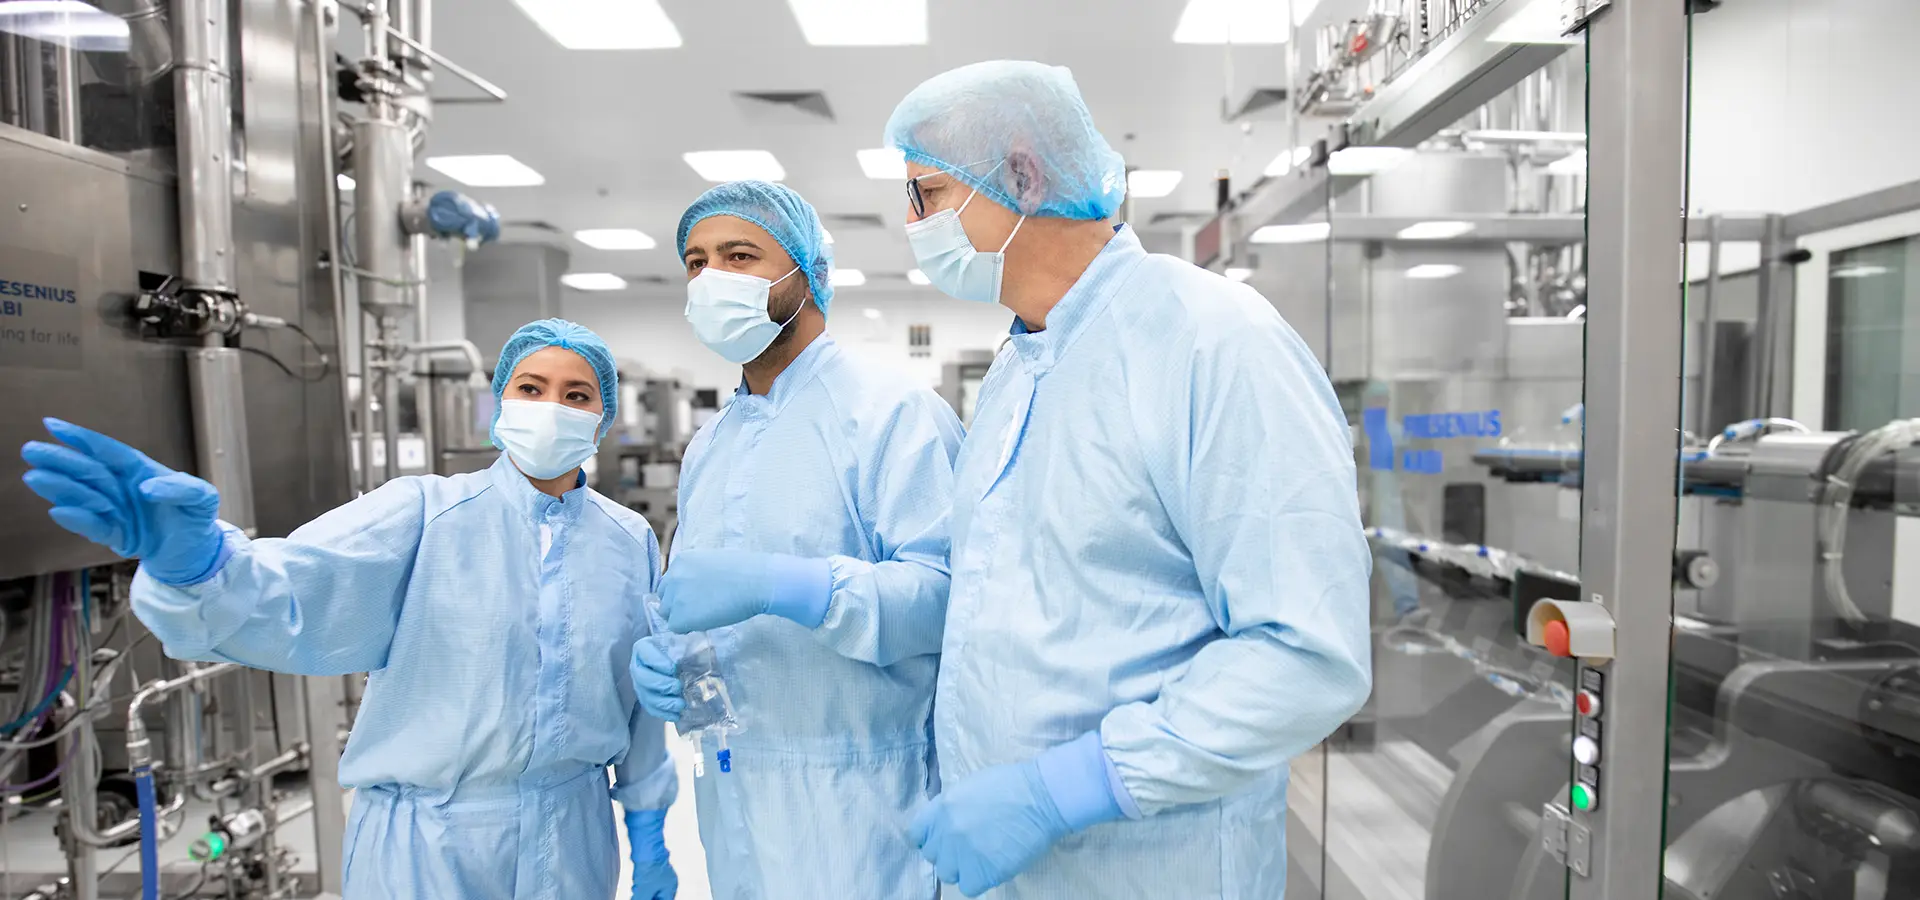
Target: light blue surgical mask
{"points": [[546, 440], [948, 258], [728, 312]]}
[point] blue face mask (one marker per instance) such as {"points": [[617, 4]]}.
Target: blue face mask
{"points": [[949, 260], [546, 440], [728, 312]]}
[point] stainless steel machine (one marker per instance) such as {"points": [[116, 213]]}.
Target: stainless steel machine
{"points": [[176, 269]]}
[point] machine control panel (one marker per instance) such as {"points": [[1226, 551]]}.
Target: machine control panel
{"points": [[1585, 793]]}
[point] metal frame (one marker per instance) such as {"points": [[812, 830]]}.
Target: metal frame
{"points": [[1635, 325]]}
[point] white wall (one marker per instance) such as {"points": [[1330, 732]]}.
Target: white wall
{"points": [[647, 327], [1797, 103]]}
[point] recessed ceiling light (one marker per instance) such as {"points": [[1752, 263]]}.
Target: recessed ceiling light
{"points": [[65, 23], [847, 278], [603, 24], [1152, 182], [1239, 274], [1433, 270], [496, 170], [345, 182], [918, 277], [1287, 161], [1366, 160], [861, 23], [870, 313], [1291, 234], [883, 163], [614, 239], [1536, 23], [1434, 231], [593, 281], [1574, 163], [1238, 21], [735, 165], [1859, 271]]}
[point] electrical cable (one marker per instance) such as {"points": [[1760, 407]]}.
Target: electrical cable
{"points": [[326, 367]]}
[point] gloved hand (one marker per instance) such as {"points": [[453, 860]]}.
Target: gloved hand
{"points": [[996, 822], [653, 671], [706, 589], [112, 494], [653, 877]]}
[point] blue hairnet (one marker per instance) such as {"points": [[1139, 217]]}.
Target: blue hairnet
{"points": [[966, 122], [783, 213], [536, 336]]}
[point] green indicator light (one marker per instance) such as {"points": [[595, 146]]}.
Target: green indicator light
{"points": [[1583, 798]]}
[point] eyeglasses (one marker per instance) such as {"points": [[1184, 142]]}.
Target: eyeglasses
{"points": [[919, 201], [914, 197]]}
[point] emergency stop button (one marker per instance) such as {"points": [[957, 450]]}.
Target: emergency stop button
{"points": [[1570, 628], [1587, 703]]}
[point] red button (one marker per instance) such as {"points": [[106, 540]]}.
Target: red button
{"points": [[1587, 702], [1559, 642]]}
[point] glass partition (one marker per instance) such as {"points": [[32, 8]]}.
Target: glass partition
{"points": [[1455, 304], [95, 75], [1795, 718]]}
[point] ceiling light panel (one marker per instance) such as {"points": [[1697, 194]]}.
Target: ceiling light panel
{"points": [[65, 23], [1238, 21], [883, 164], [735, 165], [593, 281], [918, 277], [615, 239], [1432, 271], [1238, 274], [1287, 161], [861, 23], [847, 278], [1149, 183], [1434, 231], [486, 170], [1536, 23], [1367, 160], [603, 24], [1291, 234]]}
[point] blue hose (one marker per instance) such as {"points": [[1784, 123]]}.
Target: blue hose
{"points": [[149, 834]]}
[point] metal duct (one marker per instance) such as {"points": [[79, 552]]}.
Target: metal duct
{"points": [[203, 92]]}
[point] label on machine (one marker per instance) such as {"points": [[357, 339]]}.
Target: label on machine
{"points": [[41, 315]]}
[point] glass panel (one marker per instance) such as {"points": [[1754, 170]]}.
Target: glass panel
{"points": [[1873, 335], [1456, 355], [95, 77], [1796, 695]]}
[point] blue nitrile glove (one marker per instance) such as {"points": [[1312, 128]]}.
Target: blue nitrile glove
{"points": [[653, 878], [994, 823], [653, 672], [706, 589], [112, 494]]}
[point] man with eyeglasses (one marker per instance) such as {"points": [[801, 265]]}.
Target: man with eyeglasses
{"points": [[1159, 589]]}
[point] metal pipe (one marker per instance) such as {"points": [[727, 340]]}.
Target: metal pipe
{"points": [[139, 748], [297, 754], [10, 83], [33, 86], [78, 785], [390, 394], [323, 80], [1709, 342], [465, 74], [217, 390], [1767, 319], [366, 405], [203, 91], [464, 348], [66, 97]]}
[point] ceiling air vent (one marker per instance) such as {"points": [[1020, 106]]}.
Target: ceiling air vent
{"points": [[1256, 103], [784, 107], [853, 221]]}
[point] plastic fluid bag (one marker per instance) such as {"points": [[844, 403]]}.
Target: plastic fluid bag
{"points": [[709, 707]]}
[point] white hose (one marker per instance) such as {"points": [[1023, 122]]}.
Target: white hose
{"points": [[1837, 500]]}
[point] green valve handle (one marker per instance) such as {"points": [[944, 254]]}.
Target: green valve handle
{"points": [[208, 848]]}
